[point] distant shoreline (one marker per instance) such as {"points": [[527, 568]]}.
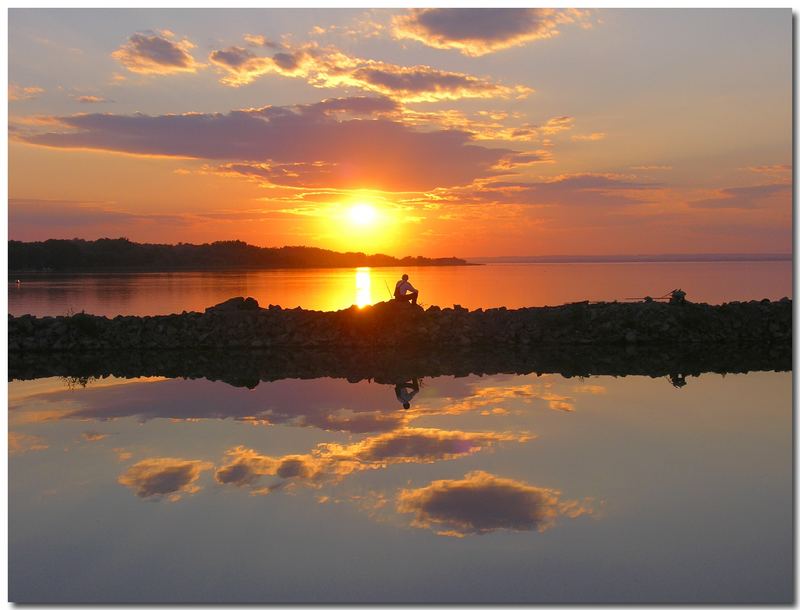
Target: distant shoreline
{"points": [[133, 270], [636, 258], [120, 255]]}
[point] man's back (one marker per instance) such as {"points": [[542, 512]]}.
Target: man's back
{"points": [[402, 287]]}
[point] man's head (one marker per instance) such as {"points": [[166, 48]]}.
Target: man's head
{"points": [[405, 276], [406, 405]]}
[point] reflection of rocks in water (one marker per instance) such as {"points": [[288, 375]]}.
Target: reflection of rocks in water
{"points": [[246, 368]]}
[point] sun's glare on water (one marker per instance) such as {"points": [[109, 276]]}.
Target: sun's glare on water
{"points": [[363, 287]]}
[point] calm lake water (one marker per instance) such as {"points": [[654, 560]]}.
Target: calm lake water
{"points": [[497, 285], [487, 489], [498, 488]]}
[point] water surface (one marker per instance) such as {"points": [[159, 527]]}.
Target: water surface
{"points": [[496, 285], [500, 488]]}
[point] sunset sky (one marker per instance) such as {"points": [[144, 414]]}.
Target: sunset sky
{"points": [[437, 132]]}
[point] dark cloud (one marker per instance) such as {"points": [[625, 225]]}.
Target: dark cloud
{"points": [[232, 57], [481, 503], [154, 53], [163, 477], [326, 152], [745, 197], [329, 404], [477, 31]]}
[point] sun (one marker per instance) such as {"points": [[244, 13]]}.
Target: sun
{"points": [[362, 214]]}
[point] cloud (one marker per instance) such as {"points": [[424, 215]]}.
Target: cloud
{"points": [[482, 503], [328, 67], [163, 477], [589, 137], [478, 31], [652, 168], [486, 125], [92, 436], [246, 467], [778, 168], [331, 461], [291, 146], [19, 442], [419, 445], [745, 197], [154, 53], [93, 99], [257, 40], [779, 172], [568, 189], [18, 93], [123, 455], [331, 404]]}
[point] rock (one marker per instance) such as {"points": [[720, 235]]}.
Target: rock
{"points": [[240, 322], [234, 304]]}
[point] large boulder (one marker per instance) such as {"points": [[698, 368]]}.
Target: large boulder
{"points": [[234, 304]]}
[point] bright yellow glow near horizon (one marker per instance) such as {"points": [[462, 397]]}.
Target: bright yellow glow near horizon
{"points": [[363, 214]]}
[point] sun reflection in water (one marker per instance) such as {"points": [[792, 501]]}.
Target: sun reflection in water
{"points": [[363, 287]]}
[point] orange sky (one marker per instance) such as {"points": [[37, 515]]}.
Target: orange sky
{"points": [[463, 132]]}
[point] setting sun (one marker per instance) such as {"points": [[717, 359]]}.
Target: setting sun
{"points": [[363, 214]]}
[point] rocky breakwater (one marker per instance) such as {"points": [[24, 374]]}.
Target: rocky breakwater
{"points": [[241, 323]]}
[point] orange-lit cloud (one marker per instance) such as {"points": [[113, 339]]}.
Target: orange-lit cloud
{"points": [[331, 461], [589, 137], [92, 436], [19, 442], [93, 99], [246, 467], [780, 172], [156, 53], [478, 31], [164, 477], [482, 503], [327, 67], [484, 125], [418, 445], [123, 455], [18, 93]]}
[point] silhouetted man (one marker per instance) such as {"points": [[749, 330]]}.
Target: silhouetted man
{"points": [[406, 391], [404, 291]]}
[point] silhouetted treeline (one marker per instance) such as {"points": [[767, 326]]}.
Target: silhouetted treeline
{"points": [[124, 255]]}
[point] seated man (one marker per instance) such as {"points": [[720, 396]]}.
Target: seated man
{"points": [[402, 287], [406, 391]]}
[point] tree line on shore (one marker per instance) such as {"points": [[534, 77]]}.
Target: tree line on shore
{"points": [[121, 254]]}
